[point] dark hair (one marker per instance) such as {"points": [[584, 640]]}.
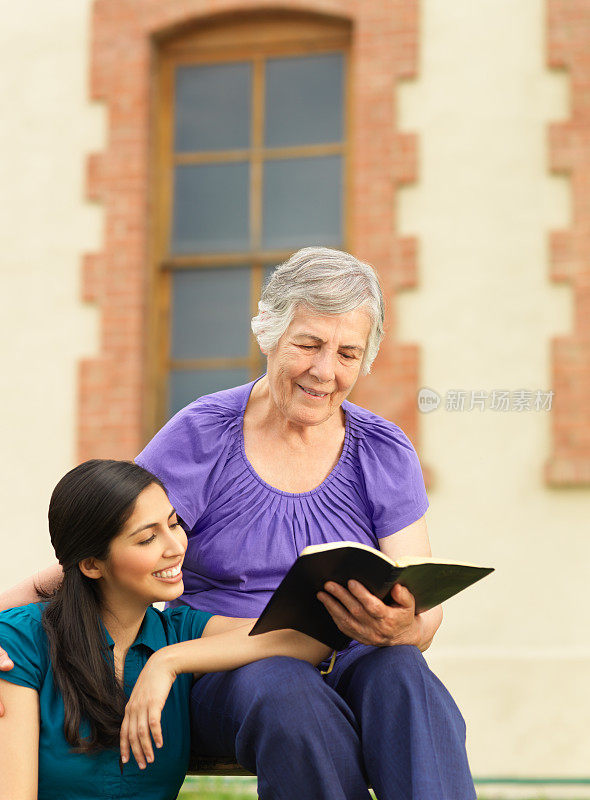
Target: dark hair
{"points": [[88, 508]]}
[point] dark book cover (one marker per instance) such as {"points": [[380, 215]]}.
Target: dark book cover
{"points": [[294, 603]]}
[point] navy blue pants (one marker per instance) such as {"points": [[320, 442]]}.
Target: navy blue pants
{"points": [[380, 717]]}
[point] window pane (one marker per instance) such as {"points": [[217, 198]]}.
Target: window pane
{"points": [[213, 107], [211, 313], [302, 202], [304, 100], [186, 386], [211, 208]]}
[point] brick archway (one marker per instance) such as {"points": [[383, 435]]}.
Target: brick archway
{"points": [[124, 35]]}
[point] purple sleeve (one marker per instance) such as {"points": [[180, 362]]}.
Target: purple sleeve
{"points": [[187, 456], [393, 478]]}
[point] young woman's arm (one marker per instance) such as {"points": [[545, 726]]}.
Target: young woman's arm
{"points": [[19, 742], [217, 624], [26, 592], [216, 653]]}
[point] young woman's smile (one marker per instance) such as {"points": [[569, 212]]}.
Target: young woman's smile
{"points": [[170, 574], [145, 560]]}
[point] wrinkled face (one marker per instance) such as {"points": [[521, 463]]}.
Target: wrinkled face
{"points": [[145, 559], [316, 363]]}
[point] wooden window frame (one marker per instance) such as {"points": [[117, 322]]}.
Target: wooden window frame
{"points": [[254, 38], [115, 404]]}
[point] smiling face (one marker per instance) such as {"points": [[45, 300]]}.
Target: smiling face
{"points": [[145, 558], [316, 364]]}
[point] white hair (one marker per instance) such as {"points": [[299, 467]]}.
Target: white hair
{"points": [[326, 282]]}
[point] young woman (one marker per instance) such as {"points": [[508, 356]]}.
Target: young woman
{"points": [[78, 656]]}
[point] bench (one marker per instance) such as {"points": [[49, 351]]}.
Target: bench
{"points": [[202, 765]]}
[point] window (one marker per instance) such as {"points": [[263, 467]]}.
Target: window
{"points": [[250, 164]]}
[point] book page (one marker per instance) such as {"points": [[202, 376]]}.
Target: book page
{"points": [[404, 561], [410, 561], [320, 548]]}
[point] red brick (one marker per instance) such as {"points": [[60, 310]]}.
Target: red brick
{"points": [[568, 33]]}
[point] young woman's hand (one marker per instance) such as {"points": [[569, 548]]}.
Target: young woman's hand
{"points": [[144, 710]]}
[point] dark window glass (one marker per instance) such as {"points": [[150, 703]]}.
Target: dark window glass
{"points": [[211, 208], [211, 313], [295, 202], [186, 386], [304, 100], [302, 203], [213, 107]]}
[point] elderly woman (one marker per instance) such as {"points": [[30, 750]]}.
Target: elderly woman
{"points": [[259, 472]]}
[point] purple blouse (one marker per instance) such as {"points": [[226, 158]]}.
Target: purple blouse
{"points": [[245, 534]]}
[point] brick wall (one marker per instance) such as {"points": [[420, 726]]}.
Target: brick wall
{"points": [[568, 31]]}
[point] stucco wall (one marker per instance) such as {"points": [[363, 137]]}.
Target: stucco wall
{"points": [[511, 650], [48, 126]]}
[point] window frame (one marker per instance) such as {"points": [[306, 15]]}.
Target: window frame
{"points": [[253, 38]]}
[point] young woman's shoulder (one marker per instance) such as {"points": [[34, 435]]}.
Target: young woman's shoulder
{"points": [[32, 612], [182, 622], [24, 639]]}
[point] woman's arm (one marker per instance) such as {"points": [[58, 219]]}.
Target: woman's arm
{"points": [[362, 616], [234, 648], [414, 541], [47, 580], [284, 643], [217, 624], [19, 742], [210, 653]]}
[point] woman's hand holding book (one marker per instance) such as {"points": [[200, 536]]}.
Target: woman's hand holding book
{"points": [[362, 616]]}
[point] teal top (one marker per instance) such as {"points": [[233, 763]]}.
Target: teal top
{"points": [[71, 776]]}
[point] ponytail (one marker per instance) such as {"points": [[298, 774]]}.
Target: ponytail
{"points": [[83, 666]]}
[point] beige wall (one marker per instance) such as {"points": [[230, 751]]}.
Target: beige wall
{"points": [[48, 127], [511, 649]]}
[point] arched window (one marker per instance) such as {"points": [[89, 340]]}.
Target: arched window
{"points": [[250, 163]]}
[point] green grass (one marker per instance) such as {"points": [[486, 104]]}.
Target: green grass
{"points": [[218, 788]]}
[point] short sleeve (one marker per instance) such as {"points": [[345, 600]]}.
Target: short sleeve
{"points": [[188, 623], [188, 455], [23, 638], [393, 478]]}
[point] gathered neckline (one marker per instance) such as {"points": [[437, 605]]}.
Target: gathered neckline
{"points": [[260, 480]]}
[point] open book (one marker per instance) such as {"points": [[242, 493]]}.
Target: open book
{"points": [[294, 603]]}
